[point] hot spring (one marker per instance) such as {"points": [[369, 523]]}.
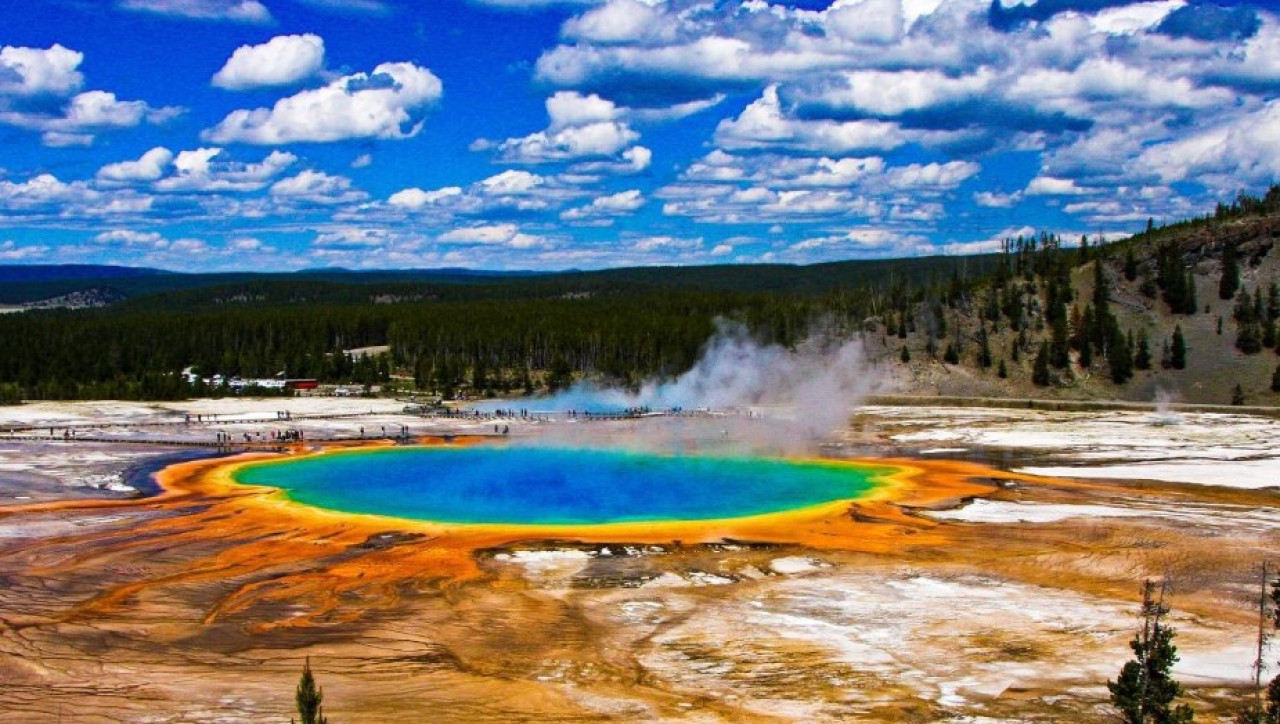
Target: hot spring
{"points": [[558, 486]]}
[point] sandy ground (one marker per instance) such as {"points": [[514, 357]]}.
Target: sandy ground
{"points": [[1021, 616], [1204, 448]]}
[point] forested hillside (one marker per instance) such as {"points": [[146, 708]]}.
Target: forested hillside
{"points": [[1191, 308], [1187, 311]]}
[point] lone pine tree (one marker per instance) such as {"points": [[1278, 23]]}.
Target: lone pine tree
{"points": [[309, 698], [984, 347], [1120, 355], [1230, 282], [1249, 338], [1178, 349], [1142, 357], [1145, 690], [1265, 707], [1040, 369]]}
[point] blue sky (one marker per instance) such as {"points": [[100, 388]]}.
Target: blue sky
{"points": [[555, 134]]}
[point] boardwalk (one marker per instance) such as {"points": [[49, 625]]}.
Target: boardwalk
{"points": [[258, 431]]}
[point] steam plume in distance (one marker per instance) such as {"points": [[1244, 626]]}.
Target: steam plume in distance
{"points": [[774, 399]]}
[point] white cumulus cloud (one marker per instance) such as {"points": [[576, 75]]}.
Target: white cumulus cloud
{"points": [[1245, 149], [387, 104], [242, 11], [1050, 186], [131, 237], [42, 190], [12, 251], [570, 108], [763, 125], [508, 235], [621, 21], [415, 198], [531, 4], [866, 21], [37, 71], [206, 170], [894, 92], [581, 127], [512, 181], [150, 167], [85, 115], [593, 140], [623, 202], [316, 187], [283, 60]]}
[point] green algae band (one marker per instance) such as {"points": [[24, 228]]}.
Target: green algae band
{"points": [[554, 486]]}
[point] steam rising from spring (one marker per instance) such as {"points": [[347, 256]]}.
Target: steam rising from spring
{"points": [[765, 398], [1164, 414]]}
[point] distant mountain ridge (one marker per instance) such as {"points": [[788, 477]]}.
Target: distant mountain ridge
{"points": [[30, 273], [441, 271], [60, 272], [28, 284]]}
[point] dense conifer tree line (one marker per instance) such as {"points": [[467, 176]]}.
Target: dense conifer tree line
{"points": [[516, 336], [485, 344]]}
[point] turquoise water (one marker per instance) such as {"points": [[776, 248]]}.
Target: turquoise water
{"points": [[532, 485]]}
